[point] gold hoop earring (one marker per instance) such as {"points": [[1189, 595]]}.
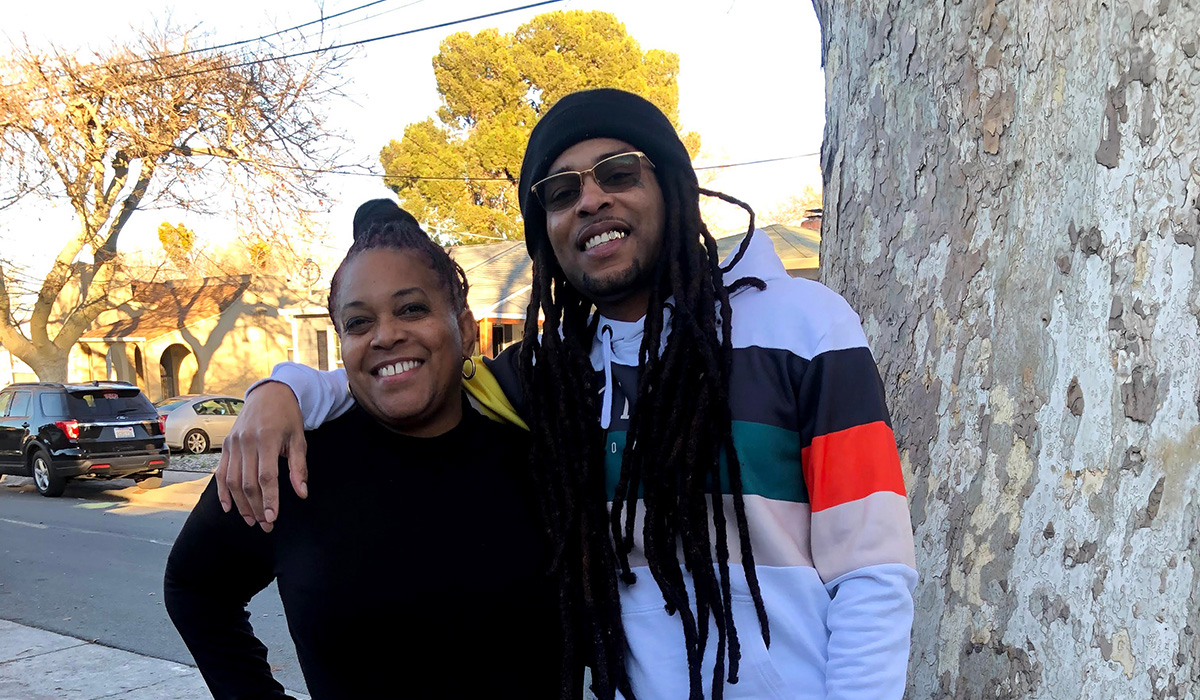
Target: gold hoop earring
{"points": [[471, 374]]}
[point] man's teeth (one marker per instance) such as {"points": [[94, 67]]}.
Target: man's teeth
{"points": [[398, 368], [603, 238]]}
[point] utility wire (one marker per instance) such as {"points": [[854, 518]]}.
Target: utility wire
{"points": [[349, 44], [756, 162], [334, 47], [264, 37], [330, 31], [376, 15], [336, 171]]}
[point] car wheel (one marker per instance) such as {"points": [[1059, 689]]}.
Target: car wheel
{"points": [[148, 481], [44, 479], [196, 441]]}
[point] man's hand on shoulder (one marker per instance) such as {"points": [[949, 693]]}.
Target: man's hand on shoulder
{"points": [[269, 426]]}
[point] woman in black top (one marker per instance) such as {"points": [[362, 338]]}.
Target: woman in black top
{"points": [[443, 591]]}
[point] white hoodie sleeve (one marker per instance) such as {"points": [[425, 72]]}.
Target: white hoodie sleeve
{"points": [[870, 621], [323, 396]]}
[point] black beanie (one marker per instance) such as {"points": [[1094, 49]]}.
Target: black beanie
{"points": [[591, 114], [379, 211]]}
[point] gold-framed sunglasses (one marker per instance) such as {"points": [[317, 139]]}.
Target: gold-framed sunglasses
{"points": [[616, 173]]}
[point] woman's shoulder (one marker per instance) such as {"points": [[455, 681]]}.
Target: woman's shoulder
{"points": [[491, 428]]}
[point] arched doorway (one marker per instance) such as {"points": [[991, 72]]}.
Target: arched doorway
{"points": [[171, 368]]}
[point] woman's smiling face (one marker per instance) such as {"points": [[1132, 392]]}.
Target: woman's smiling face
{"points": [[402, 340]]}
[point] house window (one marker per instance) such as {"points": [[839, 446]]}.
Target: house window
{"points": [[505, 334], [322, 350]]}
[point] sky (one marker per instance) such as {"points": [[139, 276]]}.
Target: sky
{"points": [[750, 83]]}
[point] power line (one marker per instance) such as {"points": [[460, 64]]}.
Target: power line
{"points": [[756, 162], [319, 20], [376, 15], [334, 47], [360, 42], [338, 170], [264, 37], [330, 30], [438, 230], [470, 179], [335, 170]]}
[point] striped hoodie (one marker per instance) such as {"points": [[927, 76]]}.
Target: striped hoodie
{"points": [[822, 484]]}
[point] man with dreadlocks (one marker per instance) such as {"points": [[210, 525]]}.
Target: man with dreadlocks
{"points": [[711, 445]]}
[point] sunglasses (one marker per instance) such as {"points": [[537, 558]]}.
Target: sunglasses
{"points": [[613, 174]]}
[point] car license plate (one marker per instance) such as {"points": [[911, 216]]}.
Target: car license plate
{"points": [[123, 432]]}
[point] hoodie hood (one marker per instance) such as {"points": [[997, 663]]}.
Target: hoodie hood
{"points": [[760, 260]]}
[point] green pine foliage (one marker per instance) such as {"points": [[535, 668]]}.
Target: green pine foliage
{"points": [[494, 88]]}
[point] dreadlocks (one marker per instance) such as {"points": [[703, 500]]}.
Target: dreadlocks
{"points": [[674, 461]]}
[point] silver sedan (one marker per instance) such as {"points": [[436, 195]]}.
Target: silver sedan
{"points": [[197, 422]]}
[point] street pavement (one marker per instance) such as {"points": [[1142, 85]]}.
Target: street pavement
{"points": [[81, 610], [40, 665]]}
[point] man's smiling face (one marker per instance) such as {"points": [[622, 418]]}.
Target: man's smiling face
{"points": [[607, 243]]}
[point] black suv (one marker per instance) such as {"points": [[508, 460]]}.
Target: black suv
{"points": [[99, 430]]}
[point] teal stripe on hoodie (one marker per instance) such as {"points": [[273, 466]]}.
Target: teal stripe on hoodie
{"points": [[770, 459]]}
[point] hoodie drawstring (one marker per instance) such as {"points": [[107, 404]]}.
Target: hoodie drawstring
{"points": [[606, 335]]}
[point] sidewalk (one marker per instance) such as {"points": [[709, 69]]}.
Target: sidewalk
{"points": [[40, 665]]}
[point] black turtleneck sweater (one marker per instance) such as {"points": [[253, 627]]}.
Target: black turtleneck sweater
{"points": [[417, 567]]}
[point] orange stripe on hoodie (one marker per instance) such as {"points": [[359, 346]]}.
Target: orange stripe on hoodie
{"points": [[850, 464]]}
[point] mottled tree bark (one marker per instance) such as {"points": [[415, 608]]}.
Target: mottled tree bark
{"points": [[1011, 205]]}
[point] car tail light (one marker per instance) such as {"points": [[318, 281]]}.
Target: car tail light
{"points": [[155, 462], [69, 427], [101, 466], [162, 423]]}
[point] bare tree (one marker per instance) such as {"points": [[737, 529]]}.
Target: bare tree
{"points": [[1011, 205], [143, 125], [796, 209]]}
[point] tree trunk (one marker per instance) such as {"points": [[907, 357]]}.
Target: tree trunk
{"points": [[1011, 205], [50, 364]]}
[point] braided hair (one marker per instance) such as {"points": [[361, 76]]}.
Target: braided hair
{"points": [[395, 232], [674, 461]]}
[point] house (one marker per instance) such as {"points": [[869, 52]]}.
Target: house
{"points": [[798, 247], [13, 369], [501, 276], [216, 335], [313, 339]]}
